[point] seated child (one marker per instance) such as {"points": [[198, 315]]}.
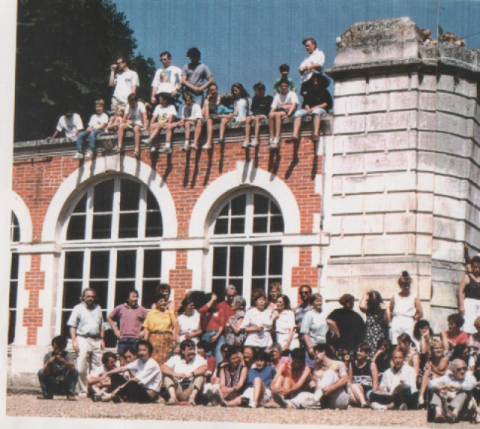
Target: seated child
{"points": [[261, 105], [225, 111], [135, 119], [191, 113], [284, 70], [96, 126], [362, 376], [115, 120]]}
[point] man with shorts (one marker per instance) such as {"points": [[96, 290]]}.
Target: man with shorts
{"points": [[125, 82]]}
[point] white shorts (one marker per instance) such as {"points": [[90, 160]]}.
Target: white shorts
{"points": [[249, 395], [400, 325], [472, 311]]}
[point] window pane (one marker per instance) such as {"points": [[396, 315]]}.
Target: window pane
{"points": [[15, 229], [219, 261], [236, 261], [224, 211], [76, 228], [152, 260], [154, 226], [276, 224], [221, 226], [71, 294], [259, 266], [14, 267], [258, 284], [81, 206], [11, 326], [102, 226], [103, 197], [126, 262], [73, 265], [128, 225], [238, 283], [12, 298], [99, 265], [152, 203], [260, 204], [129, 195], [274, 208], [122, 288], [148, 292], [237, 226], [276, 260], [65, 329], [218, 287], [101, 287], [260, 224], [238, 205]]}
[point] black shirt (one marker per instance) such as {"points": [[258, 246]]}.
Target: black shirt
{"points": [[314, 97], [261, 105]]}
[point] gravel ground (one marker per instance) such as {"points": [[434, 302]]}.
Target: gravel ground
{"points": [[29, 405]]}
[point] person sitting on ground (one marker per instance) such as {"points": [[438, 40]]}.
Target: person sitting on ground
{"points": [[191, 113], [422, 337], [283, 106], [248, 356], [296, 380], [412, 358], [261, 105], [97, 385], [435, 367], [96, 126], [362, 377], [474, 343], [242, 102], [398, 387], [70, 123], [317, 102], [203, 349], [58, 375], [115, 120], [185, 374], [146, 380], [135, 119], [452, 393], [284, 70], [163, 117], [128, 356], [226, 112], [455, 335], [280, 363], [258, 383], [383, 356]]}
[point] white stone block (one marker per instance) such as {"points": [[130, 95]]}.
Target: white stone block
{"points": [[349, 124], [337, 185], [445, 83], [450, 186], [453, 124], [340, 106], [405, 100], [347, 205], [350, 87], [388, 83], [345, 246], [427, 101], [425, 182], [384, 245], [426, 161], [386, 203], [401, 140], [448, 229], [390, 121], [450, 165], [447, 251], [392, 161], [428, 82], [360, 225], [401, 182], [423, 245], [427, 140], [337, 144], [449, 207], [367, 103], [400, 223], [427, 121], [424, 223], [448, 102], [363, 184], [453, 144], [424, 203], [375, 142], [348, 164]]}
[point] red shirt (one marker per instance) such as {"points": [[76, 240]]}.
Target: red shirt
{"points": [[460, 338], [225, 311], [211, 319]]}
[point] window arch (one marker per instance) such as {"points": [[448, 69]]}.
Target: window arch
{"points": [[245, 240], [13, 293], [111, 244]]}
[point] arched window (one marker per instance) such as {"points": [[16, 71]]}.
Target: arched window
{"points": [[12, 299], [245, 237], [111, 245]]}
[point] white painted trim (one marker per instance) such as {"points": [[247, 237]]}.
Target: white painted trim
{"points": [[24, 219]]}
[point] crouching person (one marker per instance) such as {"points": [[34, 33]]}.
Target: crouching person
{"points": [[58, 375], [184, 374], [452, 394], [398, 388], [146, 380]]}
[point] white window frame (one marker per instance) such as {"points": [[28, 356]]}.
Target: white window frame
{"points": [[17, 281]]}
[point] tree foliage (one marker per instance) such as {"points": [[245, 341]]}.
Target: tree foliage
{"points": [[64, 53]]}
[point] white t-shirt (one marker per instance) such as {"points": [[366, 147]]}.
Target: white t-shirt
{"points": [[148, 373], [283, 325], [179, 366], [96, 121], [164, 112], [316, 57], [136, 115], [167, 80], [123, 85], [189, 324], [405, 375], [193, 112], [70, 125], [285, 100], [315, 325], [254, 318], [98, 371]]}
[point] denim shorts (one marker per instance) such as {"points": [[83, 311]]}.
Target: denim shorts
{"points": [[302, 112]]}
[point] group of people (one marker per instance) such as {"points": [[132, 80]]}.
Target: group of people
{"points": [[130, 113], [268, 354]]}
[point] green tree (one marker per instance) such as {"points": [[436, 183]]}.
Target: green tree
{"points": [[64, 53]]}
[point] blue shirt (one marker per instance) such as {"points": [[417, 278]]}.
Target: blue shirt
{"points": [[267, 375], [224, 110]]}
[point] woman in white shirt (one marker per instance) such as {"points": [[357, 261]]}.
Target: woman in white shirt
{"points": [[258, 322], [284, 324], [188, 323]]}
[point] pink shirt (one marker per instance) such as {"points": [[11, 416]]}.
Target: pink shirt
{"points": [[130, 319]]}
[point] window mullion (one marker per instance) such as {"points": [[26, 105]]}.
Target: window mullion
{"points": [[112, 277], [116, 209], [89, 215], [249, 215], [139, 272], [86, 268], [142, 215], [247, 272]]}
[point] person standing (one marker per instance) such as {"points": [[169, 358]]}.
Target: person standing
{"points": [[378, 319], [167, 80], [196, 77], [213, 326], [225, 309], [125, 82], [313, 62], [88, 336], [469, 296], [129, 316]]}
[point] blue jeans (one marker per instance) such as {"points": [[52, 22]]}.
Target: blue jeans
{"points": [[215, 347], [48, 385], [82, 135], [125, 343]]}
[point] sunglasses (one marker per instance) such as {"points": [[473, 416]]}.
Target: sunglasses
{"points": [[463, 368]]}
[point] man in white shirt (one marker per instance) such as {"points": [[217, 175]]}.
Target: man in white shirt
{"points": [[145, 384], [184, 375], [398, 388], [167, 80], [125, 82], [313, 62], [71, 123], [452, 393]]}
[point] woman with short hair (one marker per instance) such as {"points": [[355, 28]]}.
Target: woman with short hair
{"points": [[235, 333], [257, 322], [284, 324]]}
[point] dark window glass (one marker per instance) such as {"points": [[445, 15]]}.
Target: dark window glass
{"points": [[11, 326], [73, 265], [148, 292], [238, 283], [65, 328], [71, 294], [129, 195], [260, 204], [76, 227], [219, 261], [274, 208], [152, 203], [221, 226], [154, 226], [103, 197], [260, 224], [102, 226], [218, 287], [128, 227], [276, 224], [101, 287], [99, 264], [259, 267], [81, 206], [258, 283], [237, 225], [236, 261], [12, 296], [126, 262], [15, 229], [224, 211], [122, 289], [151, 263], [276, 260], [14, 267], [239, 204]]}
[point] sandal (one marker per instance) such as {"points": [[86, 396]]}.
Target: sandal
{"points": [[135, 155]]}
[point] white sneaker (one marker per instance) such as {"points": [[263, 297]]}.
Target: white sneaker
{"points": [[245, 144], [153, 149], [186, 147], [78, 155], [88, 154], [377, 406], [165, 149], [253, 143], [147, 141]]}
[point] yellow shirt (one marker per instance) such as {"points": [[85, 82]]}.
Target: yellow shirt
{"points": [[157, 321]]}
